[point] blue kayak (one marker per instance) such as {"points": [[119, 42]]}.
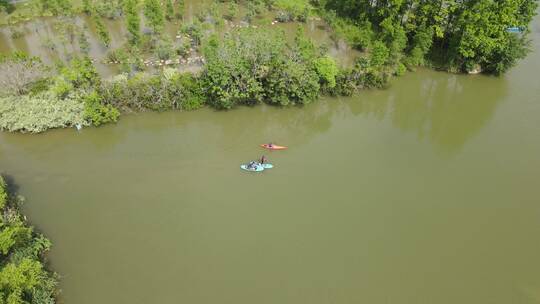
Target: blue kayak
{"points": [[257, 168]]}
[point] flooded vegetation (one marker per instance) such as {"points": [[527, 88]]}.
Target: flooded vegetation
{"points": [[58, 38]]}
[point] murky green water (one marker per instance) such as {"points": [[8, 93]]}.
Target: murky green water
{"points": [[424, 193]]}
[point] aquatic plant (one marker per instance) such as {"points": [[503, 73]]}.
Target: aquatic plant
{"points": [[103, 33], [38, 113], [133, 21]]}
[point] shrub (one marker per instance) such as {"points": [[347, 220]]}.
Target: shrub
{"points": [[283, 17], [23, 278], [359, 36], [80, 73], [55, 7], [19, 72], [232, 11], [154, 15], [327, 70], [164, 49], [86, 7], [236, 64], [38, 113], [103, 33], [295, 9], [84, 44], [107, 9], [400, 69], [6, 6], [61, 87], [252, 66], [133, 22], [169, 13], [292, 83], [379, 54], [3, 194], [11, 236], [194, 31], [422, 42], [185, 92], [118, 55], [180, 5], [96, 113], [168, 90], [346, 84]]}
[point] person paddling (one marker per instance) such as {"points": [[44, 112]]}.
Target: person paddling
{"points": [[263, 160], [252, 165]]}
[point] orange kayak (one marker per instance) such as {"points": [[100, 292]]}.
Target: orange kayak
{"points": [[273, 147]]}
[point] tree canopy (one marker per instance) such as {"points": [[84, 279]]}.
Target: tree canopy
{"points": [[457, 34]]}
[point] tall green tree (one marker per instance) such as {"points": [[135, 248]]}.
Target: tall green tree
{"points": [[480, 36], [459, 34]]}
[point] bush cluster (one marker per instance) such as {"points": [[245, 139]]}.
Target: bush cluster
{"points": [[251, 66], [166, 90], [38, 113], [23, 276]]}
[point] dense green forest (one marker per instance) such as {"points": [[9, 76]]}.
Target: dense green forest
{"points": [[23, 275], [456, 35], [241, 62]]}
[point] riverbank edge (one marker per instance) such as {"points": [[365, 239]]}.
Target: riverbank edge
{"points": [[24, 269]]}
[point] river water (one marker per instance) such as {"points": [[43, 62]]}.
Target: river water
{"points": [[427, 192]]}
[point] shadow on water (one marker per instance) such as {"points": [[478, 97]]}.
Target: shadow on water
{"points": [[12, 187], [444, 109], [272, 123]]}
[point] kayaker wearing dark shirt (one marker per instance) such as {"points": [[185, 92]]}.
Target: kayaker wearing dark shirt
{"points": [[263, 160], [252, 165]]}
